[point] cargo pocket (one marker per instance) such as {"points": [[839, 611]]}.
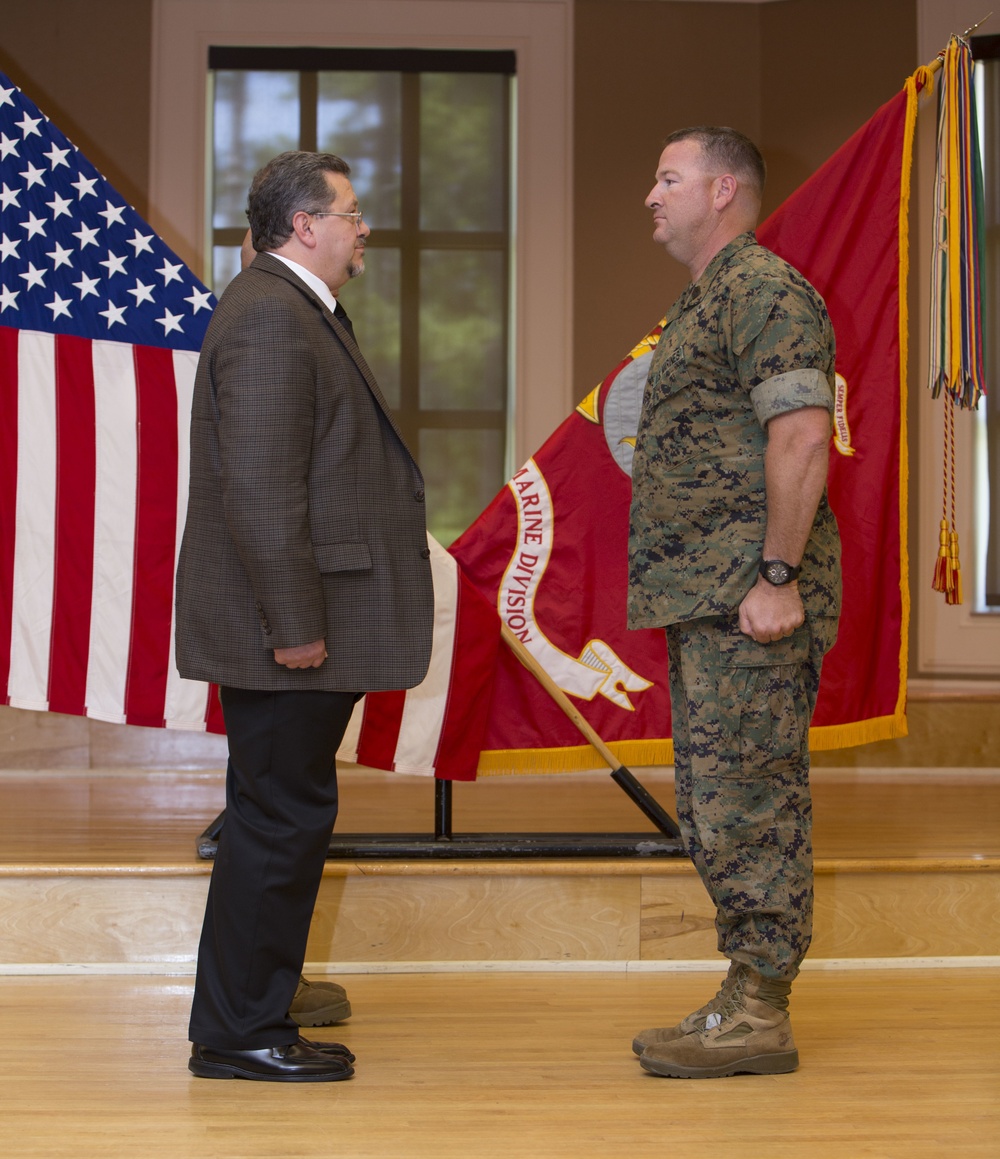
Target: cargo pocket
{"points": [[763, 707]]}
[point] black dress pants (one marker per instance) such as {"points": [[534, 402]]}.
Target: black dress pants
{"points": [[281, 805]]}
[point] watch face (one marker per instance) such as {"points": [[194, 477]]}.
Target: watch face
{"points": [[776, 572]]}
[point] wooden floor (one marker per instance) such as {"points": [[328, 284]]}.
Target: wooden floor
{"points": [[895, 1065], [476, 1063]]}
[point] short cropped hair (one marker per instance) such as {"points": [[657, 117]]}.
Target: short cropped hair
{"points": [[288, 183], [729, 150]]}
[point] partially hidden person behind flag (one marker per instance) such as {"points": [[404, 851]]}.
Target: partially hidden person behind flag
{"points": [[733, 549], [303, 582]]}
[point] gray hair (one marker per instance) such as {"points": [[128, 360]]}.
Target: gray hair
{"points": [[288, 183], [729, 150]]}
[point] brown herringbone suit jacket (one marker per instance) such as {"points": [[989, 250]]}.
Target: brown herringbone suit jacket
{"points": [[306, 509]]}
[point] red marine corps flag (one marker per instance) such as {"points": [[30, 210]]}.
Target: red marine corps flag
{"points": [[551, 550]]}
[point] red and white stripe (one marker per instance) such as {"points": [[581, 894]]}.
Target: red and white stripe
{"points": [[436, 729], [94, 471]]}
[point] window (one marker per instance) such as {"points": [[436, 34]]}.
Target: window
{"points": [[428, 138]]}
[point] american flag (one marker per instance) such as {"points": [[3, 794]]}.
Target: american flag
{"points": [[100, 324]]}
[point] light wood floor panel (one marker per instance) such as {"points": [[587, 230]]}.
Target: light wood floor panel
{"points": [[510, 1067], [873, 915], [476, 919], [100, 919], [858, 915]]}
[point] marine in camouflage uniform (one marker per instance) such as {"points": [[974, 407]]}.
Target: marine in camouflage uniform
{"points": [[747, 341], [750, 340]]}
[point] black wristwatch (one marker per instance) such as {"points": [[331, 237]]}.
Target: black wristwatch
{"points": [[777, 572]]}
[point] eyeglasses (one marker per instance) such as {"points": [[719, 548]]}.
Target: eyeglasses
{"points": [[356, 216]]}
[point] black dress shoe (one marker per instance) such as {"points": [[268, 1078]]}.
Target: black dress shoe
{"points": [[335, 1048], [296, 1063]]}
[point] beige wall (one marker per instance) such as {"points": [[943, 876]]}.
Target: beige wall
{"points": [[85, 63], [799, 76]]}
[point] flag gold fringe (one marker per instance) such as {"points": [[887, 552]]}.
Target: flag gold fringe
{"points": [[646, 753]]}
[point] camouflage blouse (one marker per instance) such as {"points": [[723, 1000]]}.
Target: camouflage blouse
{"points": [[749, 340]]}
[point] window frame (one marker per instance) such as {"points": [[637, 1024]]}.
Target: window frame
{"points": [[539, 32]]}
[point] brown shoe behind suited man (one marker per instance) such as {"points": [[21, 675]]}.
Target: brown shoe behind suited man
{"points": [[319, 1003]]}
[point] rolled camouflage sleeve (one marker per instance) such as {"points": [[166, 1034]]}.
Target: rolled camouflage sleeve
{"points": [[785, 350], [790, 391]]}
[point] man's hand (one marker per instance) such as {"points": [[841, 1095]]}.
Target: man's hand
{"points": [[770, 613], [302, 656]]}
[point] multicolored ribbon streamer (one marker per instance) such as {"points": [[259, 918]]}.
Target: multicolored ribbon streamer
{"points": [[956, 354]]}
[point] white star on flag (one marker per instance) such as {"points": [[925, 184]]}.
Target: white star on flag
{"points": [[141, 243], [141, 293], [34, 225], [60, 206], [87, 285], [59, 306], [34, 277], [8, 298], [8, 247], [113, 314], [84, 186], [60, 256], [200, 300], [33, 175], [9, 196], [57, 157], [112, 214], [170, 322], [115, 264], [5, 96], [8, 147], [170, 272], [29, 126], [87, 236]]}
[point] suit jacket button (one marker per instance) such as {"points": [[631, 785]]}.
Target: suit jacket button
{"points": [[425, 552], [419, 496]]}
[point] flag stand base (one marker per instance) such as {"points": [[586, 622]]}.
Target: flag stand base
{"points": [[443, 844]]}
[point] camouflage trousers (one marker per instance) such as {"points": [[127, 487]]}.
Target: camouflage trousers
{"points": [[741, 713]]}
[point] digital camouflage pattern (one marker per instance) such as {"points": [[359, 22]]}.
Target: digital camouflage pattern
{"points": [[749, 340], [741, 713]]}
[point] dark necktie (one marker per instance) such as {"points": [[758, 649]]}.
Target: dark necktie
{"points": [[341, 315]]}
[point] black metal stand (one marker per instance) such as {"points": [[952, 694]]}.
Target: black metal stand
{"points": [[444, 844]]}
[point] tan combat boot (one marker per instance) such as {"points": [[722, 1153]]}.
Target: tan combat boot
{"points": [[696, 1021], [749, 1034], [319, 1003]]}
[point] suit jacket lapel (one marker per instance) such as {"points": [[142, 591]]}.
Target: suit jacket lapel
{"points": [[273, 266]]}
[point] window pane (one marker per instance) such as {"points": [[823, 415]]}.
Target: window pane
{"points": [[463, 362], [462, 149], [372, 302], [225, 266], [256, 117], [359, 119], [463, 470]]}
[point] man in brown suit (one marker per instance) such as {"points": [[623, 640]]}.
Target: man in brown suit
{"points": [[303, 582]]}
